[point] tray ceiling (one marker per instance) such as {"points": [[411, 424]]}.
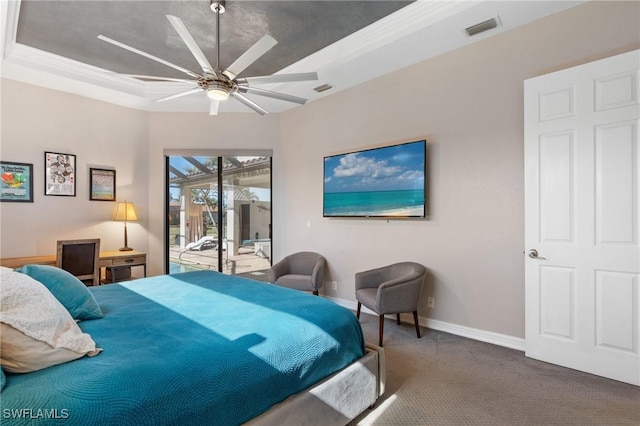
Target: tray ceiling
{"points": [[54, 43]]}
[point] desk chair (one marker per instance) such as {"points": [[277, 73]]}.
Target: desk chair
{"points": [[80, 258]]}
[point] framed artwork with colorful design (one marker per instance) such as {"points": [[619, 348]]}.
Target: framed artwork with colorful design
{"points": [[17, 182], [102, 184]]}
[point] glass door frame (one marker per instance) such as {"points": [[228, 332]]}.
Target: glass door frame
{"points": [[220, 154]]}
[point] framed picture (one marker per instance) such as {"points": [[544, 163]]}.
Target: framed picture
{"points": [[59, 174], [102, 185], [17, 182]]}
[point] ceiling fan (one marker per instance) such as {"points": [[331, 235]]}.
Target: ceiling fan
{"points": [[219, 84]]}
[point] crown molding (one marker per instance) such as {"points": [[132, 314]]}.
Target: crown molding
{"points": [[403, 22], [9, 12]]}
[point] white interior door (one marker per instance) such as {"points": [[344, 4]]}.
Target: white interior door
{"points": [[582, 201]]}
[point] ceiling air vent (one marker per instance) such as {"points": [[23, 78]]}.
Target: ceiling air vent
{"points": [[322, 88], [482, 27]]}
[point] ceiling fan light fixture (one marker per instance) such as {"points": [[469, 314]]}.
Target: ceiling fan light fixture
{"points": [[218, 93]]}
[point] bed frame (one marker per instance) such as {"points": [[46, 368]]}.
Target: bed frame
{"points": [[336, 400]]}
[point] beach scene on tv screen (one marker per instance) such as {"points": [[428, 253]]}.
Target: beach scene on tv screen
{"points": [[379, 182]]}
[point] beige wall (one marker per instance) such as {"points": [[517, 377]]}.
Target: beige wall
{"points": [[468, 104], [35, 120], [193, 132]]}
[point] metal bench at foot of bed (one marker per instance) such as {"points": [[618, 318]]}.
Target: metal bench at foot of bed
{"points": [[336, 400]]}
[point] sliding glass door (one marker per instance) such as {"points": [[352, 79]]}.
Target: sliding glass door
{"points": [[219, 214]]}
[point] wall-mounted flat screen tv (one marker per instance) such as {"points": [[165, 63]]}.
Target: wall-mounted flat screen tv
{"points": [[385, 182]]}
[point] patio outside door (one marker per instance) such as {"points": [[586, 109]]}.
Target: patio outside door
{"points": [[219, 214]]}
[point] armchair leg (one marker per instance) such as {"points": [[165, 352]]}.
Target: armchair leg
{"points": [[358, 311], [398, 319], [381, 330], [415, 319]]}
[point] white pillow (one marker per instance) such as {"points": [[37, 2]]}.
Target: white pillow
{"points": [[37, 331]]}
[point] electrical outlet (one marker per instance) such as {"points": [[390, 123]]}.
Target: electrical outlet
{"points": [[334, 285], [431, 302]]}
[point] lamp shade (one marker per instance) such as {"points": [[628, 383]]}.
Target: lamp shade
{"points": [[125, 212]]}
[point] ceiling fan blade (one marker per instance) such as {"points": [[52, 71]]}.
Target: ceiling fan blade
{"points": [[156, 78], [271, 94], [146, 55], [279, 78], [250, 56], [213, 107], [179, 95], [188, 39], [248, 102]]}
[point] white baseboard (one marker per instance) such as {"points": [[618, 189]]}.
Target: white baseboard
{"points": [[459, 330]]}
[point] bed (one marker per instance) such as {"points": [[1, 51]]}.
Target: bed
{"points": [[206, 348]]}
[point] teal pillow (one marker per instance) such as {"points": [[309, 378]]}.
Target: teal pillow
{"points": [[69, 290], [3, 379]]}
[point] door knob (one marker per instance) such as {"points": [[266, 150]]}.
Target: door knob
{"points": [[533, 253]]}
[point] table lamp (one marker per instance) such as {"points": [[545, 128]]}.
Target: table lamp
{"points": [[124, 213]]}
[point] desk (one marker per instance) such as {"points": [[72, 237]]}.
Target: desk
{"points": [[113, 260]]}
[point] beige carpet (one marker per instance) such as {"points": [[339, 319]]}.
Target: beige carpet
{"points": [[443, 379]]}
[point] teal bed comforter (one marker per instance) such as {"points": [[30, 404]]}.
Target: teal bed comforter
{"points": [[197, 348]]}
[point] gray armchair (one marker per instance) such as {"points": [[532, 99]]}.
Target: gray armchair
{"points": [[301, 271], [391, 290]]}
